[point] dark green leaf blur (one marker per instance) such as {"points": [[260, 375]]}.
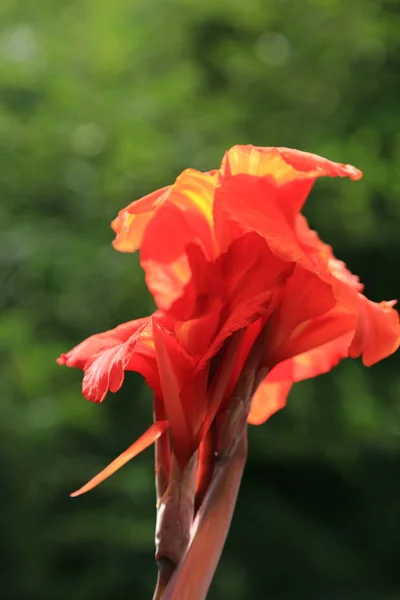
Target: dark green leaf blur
{"points": [[101, 102]]}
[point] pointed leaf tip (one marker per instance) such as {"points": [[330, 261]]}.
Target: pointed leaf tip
{"points": [[149, 437]]}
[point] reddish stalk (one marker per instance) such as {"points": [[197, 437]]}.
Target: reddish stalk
{"points": [[162, 451], [175, 513], [162, 456], [193, 576], [205, 466]]}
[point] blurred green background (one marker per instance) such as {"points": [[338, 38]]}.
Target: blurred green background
{"points": [[102, 101]]}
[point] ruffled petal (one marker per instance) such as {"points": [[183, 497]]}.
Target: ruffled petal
{"points": [[131, 222], [153, 433], [292, 172], [299, 322], [272, 393], [193, 195], [106, 371], [284, 164], [201, 335], [105, 357], [186, 219], [321, 255], [253, 203], [378, 331], [228, 294], [89, 348], [252, 275], [268, 399], [314, 362]]}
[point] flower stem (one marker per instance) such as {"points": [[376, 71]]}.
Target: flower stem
{"points": [[175, 512], [162, 451], [193, 576]]}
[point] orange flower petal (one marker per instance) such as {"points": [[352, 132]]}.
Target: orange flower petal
{"points": [[131, 222], [228, 294], [89, 348], [186, 219], [152, 434], [312, 363], [322, 256], [107, 370], [272, 393], [106, 356], [308, 162], [251, 275], [198, 335], [182, 436], [268, 399], [305, 299], [292, 172], [284, 164], [262, 214], [193, 194], [378, 331]]}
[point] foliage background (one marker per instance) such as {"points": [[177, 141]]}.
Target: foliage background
{"points": [[102, 101]]}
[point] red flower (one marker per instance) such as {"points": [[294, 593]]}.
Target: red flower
{"points": [[278, 181], [224, 252]]}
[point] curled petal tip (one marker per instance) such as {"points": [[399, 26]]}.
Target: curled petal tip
{"points": [[353, 172]]}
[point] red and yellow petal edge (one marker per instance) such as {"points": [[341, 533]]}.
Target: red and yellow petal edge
{"points": [[285, 164], [149, 437]]}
